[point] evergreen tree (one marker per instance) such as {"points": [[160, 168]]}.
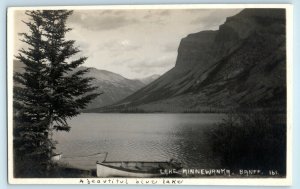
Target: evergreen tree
{"points": [[49, 91]]}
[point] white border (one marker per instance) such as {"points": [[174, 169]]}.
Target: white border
{"points": [[160, 181]]}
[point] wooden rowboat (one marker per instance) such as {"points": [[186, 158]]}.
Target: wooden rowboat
{"points": [[56, 157], [139, 169], [86, 162]]}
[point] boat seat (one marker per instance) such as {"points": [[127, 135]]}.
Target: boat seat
{"points": [[138, 167]]}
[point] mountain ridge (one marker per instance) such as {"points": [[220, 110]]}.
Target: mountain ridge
{"points": [[113, 86], [149, 79], [240, 65]]}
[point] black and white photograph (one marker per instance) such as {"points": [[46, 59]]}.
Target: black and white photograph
{"points": [[149, 94]]}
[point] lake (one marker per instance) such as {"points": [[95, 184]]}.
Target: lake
{"points": [[144, 137]]}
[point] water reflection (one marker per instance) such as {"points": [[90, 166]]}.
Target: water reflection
{"points": [[144, 137]]}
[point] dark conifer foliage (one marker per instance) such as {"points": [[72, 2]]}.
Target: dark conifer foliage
{"points": [[48, 92]]}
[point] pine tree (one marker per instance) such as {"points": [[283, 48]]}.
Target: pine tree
{"points": [[49, 91]]}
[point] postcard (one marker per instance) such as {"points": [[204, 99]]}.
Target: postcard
{"points": [[196, 94]]}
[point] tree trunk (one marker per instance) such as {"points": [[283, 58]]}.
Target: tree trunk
{"points": [[49, 151]]}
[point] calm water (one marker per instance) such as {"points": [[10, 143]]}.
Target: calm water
{"points": [[144, 137]]}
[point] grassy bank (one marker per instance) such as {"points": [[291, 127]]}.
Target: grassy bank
{"points": [[67, 172], [253, 140], [29, 169]]}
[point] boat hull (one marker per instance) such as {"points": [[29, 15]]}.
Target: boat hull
{"points": [[131, 169], [81, 162], [56, 157]]}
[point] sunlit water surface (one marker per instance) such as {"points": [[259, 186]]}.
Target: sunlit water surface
{"points": [[142, 137]]}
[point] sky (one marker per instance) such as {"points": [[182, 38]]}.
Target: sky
{"points": [[134, 43]]}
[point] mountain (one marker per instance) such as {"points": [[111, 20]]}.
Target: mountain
{"points": [[114, 86], [149, 79], [242, 64]]}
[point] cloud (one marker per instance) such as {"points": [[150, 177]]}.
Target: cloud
{"points": [[137, 42], [109, 12], [101, 20], [119, 45], [156, 17], [158, 62], [165, 13], [171, 47], [156, 13], [212, 18]]}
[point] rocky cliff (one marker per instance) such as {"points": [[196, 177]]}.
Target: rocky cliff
{"points": [[243, 64]]}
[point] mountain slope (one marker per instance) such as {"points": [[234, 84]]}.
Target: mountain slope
{"points": [[149, 79], [113, 86], [243, 64]]}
